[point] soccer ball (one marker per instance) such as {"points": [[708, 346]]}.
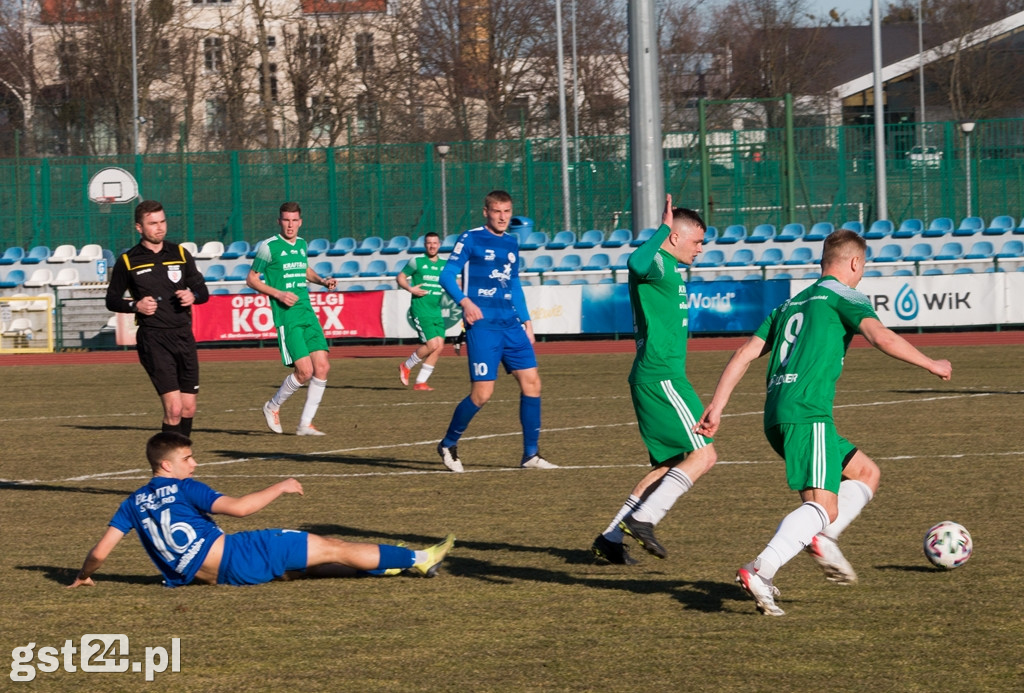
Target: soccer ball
{"points": [[948, 545]]}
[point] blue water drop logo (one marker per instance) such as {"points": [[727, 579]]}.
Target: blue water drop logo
{"points": [[907, 304]]}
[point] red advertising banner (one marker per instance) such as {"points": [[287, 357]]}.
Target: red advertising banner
{"points": [[248, 316]]}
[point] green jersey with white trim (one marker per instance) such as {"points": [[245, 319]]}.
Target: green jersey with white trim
{"points": [[283, 266], [808, 336], [657, 296], [426, 273]]}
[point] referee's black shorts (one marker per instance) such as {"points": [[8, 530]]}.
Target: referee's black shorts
{"points": [[169, 357]]}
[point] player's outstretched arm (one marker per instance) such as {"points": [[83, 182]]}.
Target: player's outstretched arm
{"points": [[256, 501], [96, 556], [733, 373], [892, 344]]}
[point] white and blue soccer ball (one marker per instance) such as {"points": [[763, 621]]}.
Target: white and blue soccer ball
{"points": [[948, 545]]}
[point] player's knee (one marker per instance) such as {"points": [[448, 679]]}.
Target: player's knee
{"points": [[322, 370], [303, 374]]}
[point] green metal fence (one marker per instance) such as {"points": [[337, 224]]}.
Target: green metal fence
{"points": [[389, 190]]}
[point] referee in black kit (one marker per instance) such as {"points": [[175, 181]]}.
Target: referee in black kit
{"points": [[164, 284]]}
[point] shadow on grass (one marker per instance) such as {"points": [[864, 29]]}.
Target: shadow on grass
{"points": [[910, 568], [65, 576], [68, 489], [351, 460]]}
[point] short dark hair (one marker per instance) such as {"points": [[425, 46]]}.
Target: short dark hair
{"points": [[838, 242], [146, 207], [428, 234], [290, 207], [690, 216], [162, 444], [496, 196]]}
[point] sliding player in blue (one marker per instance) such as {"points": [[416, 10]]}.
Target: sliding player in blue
{"points": [[498, 327]]}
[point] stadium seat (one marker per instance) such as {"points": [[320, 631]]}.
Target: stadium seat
{"points": [[581, 280], [932, 271], [752, 277], [189, 246], [108, 255], [90, 252], [770, 256], [67, 276], [324, 268], [255, 249], [597, 261], [998, 226], [419, 245], [606, 280], [761, 234], [369, 246], [950, 250], [235, 250], [534, 240], [939, 226], [317, 246], [792, 232], [741, 258], [568, 263], [782, 275], [13, 280], [1010, 250], [724, 278], [589, 239], [710, 234], [963, 270], [19, 327], [734, 233], [12, 255], [695, 278], [909, 228], [561, 241], [642, 236], [541, 263], [36, 255], [342, 246], [354, 287], [811, 275], [220, 291], [209, 251], [889, 253], [617, 238], [347, 269], [919, 252], [902, 272], [449, 241], [397, 268], [820, 231], [851, 225], [215, 272], [969, 226], [375, 268], [710, 258], [383, 287], [872, 273], [63, 253], [880, 228], [396, 245], [551, 281], [240, 272], [801, 255], [39, 278], [620, 263], [980, 250]]}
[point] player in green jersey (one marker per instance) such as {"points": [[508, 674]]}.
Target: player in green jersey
{"points": [[420, 278], [281, 260], [806, 339], [665, 403]]}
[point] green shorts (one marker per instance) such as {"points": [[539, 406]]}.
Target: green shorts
{"points": [[299, 338], [427, 325], [666, 413], [814, 453]]}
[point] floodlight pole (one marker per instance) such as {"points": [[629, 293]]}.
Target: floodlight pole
{"points": [[968, 127], [442, 149], [881, 200], [648, 171], [135, 87]]}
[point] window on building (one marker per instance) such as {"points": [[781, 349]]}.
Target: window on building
{"points": [[216, 118], [68, 57], [319, 54], [518, 110], [213, 54], [161, 120], [271, 42], [320, 116], [364, 51], [366, 113], [162, 57], [272, 73]]}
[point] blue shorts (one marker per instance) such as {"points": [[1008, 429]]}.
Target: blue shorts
{"points": [[487, 348], [252, 558]]}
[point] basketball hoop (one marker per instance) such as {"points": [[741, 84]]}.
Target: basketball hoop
{"points": [[105, 203], [112, 186]]}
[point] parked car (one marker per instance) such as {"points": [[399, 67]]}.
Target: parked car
{"points": [[924, 157]]}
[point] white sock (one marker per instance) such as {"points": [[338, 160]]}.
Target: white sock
{"points": [[613, 533], [424, 374], [853, 496], [288, 388], [411, 362], [313, 397], [674, 484], [794, 533]]}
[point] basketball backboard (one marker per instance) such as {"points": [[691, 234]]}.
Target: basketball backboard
{"points": [[113, 185]]}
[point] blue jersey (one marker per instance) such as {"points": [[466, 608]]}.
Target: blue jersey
{"points": [[171, 518], [489, 264]]}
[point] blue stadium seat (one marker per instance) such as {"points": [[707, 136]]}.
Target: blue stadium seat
{"points": [[607, 280], [347, 269], [235, 250], [889, 253], [568, 263], [695, 278], [998, 226], [909, 228], [642, 236], [618, 238], [852, 225], [710, 258], [581, 280], [919, 252], [770, 256], [534, 240], [324, 268], [980, 250], [375, 268], [741, 258], [963, 270], [620, 263], [353, 287], [36, 255], [551, 281], [221, 291], [872, 273], [239, 272], [792, 232], [931, 271], [13, 280], [396, 245], [820, 231], [761, 234], [782, 275], [724, 278], [950, 250], [448, 244], [383, 287], [342, 246], [215, 272], [254, 249], [811, 275], [541, 263], [939, 226], [710, 234], [419, 245], [902, 272], [590, 239], [369, 246], [880, 228], [317, 246], [969, 226], [12, 255], [1010, 249], [752, 277], [597, 261], [561, 240], [397, 268], [801, 255], [734, 233]]}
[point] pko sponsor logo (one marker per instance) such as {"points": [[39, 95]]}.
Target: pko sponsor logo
{"points": [[908, 303]]}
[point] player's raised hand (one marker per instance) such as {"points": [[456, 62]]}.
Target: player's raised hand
{"points": [[666, 217]]}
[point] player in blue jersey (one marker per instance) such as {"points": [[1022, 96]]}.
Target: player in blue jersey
{"points": [[171, 514], [498, 327]]}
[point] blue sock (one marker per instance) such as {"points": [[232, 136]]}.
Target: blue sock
{"points": [[529, 417], [464, 413], [393, 557]]}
